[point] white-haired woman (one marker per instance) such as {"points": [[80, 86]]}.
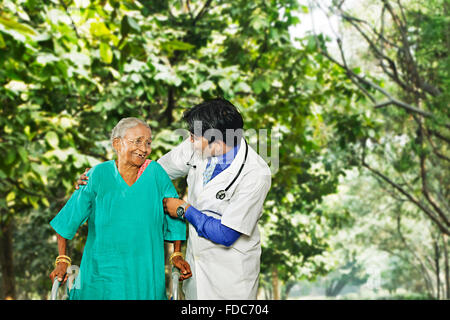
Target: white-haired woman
{"points": [[124, 253]]}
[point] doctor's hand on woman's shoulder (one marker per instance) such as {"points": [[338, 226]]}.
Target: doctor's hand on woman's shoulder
{"points": [[82, 180]]}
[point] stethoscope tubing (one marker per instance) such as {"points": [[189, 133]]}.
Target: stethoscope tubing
{"points": [[221, 193]]}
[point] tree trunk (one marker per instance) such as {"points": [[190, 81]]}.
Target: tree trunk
{"points": [[427, 281], [446, 267], [6, 260], [287, 289], [437, 269], [168, 113], [414, 252], [275, 283], [336, 287]]}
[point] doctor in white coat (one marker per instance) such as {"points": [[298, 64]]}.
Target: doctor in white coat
{"points": [[224, 202]]}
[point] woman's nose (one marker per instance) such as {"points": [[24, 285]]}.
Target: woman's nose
{"points": [[144, 149]]}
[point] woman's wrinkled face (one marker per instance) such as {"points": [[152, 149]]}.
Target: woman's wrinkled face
{"points": [[134, 147]]}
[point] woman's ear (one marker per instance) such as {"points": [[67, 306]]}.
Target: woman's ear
{"points": [[117, 145]]}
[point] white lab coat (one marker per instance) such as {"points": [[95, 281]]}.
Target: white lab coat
{"points": [[219, 272]]}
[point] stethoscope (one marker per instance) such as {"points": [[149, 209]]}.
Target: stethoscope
{"points": [[220, 195]]}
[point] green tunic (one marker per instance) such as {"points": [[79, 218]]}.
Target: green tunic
{"points": [[124, 253]]}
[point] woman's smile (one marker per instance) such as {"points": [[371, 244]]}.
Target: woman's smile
{"points": [[140, 155]]}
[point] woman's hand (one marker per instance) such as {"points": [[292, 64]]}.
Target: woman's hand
{"points": [[183, 266], [83, 180], [60, 272]]}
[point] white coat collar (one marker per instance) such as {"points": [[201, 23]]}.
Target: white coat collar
{"points": [[224, 178], [237, 161]]}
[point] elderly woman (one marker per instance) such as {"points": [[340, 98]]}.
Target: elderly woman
{"points": [[124, 253]]}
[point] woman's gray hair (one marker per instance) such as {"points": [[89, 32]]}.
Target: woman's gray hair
{"points": [[124, 124]]}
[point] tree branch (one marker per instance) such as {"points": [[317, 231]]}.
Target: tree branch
{"points": [[70, 17], [392, 100], [394, 75], [188, 6], [435, 151], [361, 80], [439, 135], [411, 250], [410, 197], [410, 64], [423, 175], [202, 11]]}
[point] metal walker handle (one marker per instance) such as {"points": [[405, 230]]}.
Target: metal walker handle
{"points": [[175, 277], [73, 271]]}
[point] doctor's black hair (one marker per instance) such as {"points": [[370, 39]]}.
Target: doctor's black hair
{"points": [[216, 114]]}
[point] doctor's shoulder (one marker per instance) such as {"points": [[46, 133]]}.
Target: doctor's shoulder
{"points": [[258, 167], [257, 176]]}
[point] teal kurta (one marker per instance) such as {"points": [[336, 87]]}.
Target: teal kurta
{"points": [[124, 253]]}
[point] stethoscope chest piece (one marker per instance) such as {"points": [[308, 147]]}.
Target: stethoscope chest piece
{"points": [[220, 195]]}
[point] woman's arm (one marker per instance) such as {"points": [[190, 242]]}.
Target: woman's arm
{"points": [[62, 245], [66, 223], [60, 270], [180, 263], [177, 246]]}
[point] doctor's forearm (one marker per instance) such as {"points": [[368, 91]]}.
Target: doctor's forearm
{"points": [[211, 228]]}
